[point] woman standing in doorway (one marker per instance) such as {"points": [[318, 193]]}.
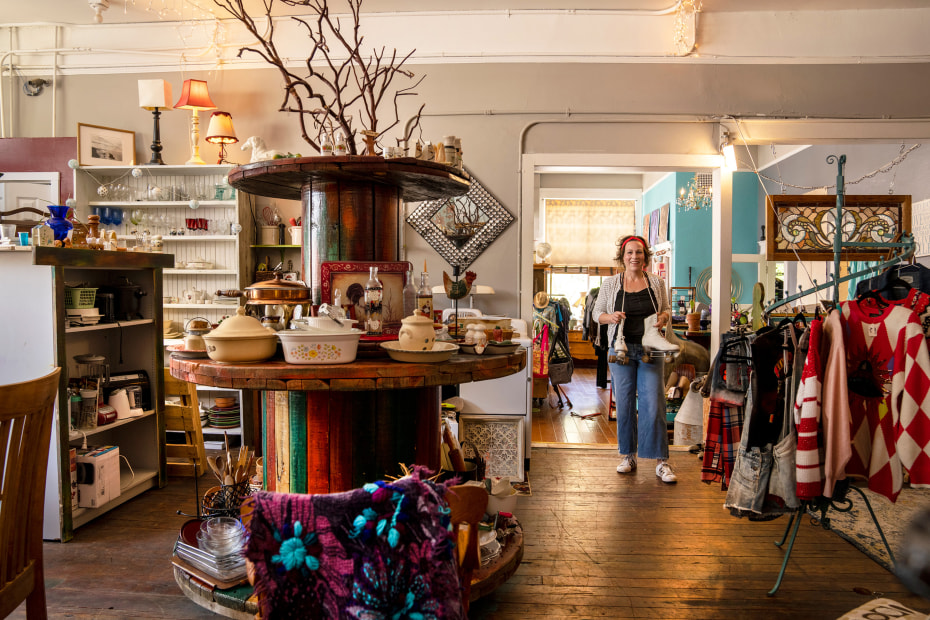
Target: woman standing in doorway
{"points": [[628, 301]]}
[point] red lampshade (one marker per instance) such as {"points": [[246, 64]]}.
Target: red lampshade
{"points": [[194, 96]]}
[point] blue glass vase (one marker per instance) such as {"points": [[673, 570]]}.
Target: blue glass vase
{"points": [[59, 225]]}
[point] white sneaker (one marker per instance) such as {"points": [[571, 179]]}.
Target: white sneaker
{"points": [[665, 473], [627, 464]]}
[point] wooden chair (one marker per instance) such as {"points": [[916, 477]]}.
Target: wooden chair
{"points": [[467, 504], [187, 457], [26, 413], [22, 223]]}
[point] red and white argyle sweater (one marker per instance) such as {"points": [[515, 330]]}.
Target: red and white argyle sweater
{"points": [[915, 300], [888, 375]]}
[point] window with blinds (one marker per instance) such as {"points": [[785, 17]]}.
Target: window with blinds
{"points": [[585, 232]]}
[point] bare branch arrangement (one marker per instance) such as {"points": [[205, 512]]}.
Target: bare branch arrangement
{"points": [[327, 89]]}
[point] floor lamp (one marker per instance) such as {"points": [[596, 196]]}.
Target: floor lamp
{"points": [[195, 97]]}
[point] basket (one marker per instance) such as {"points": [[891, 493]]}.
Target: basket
{"points": [[79, 298], [225, 500]]}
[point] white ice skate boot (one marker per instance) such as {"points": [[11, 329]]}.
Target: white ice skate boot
{"points": [[622, 353], [654, 343]]}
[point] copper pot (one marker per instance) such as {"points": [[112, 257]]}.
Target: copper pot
{"points": [[275, 291]]}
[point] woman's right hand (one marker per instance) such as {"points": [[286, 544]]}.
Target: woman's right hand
{"points": [[610, 318]]}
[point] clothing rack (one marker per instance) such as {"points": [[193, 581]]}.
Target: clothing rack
{"points": [[840, 502], [906, 247]]}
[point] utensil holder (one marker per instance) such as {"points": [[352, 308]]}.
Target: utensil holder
{"points": [[225, 500]]}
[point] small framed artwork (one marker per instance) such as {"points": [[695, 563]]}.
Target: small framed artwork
{"points": [[498, 439], [105, 146], [349, 278]]}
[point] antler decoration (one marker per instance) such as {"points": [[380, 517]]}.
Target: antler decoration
{"points": [[330, 90]]}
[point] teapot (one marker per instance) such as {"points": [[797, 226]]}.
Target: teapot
{"points": [[193, 296], [416, 333]]}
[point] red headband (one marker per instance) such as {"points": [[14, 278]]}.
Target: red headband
{"points": [[633, 238]]}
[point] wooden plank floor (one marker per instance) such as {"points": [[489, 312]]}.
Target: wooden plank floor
{"points": [[552, 424], [598, 545]]}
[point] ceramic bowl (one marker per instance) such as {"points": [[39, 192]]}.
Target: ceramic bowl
{"points": [[310, 323], [440, 352], [319, 346], [241, 350]]}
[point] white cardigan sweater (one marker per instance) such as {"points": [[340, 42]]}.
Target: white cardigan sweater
{"points": [[608, 295]]}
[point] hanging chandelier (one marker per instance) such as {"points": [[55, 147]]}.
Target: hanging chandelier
{"points": [[698, 194]]}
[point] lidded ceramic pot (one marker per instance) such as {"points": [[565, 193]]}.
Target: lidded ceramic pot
{"points": [[416, 333], [241, 339]]}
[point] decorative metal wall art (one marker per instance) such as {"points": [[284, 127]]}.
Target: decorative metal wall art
{"points": [[498, 439], [461, 228], [802, 227]]}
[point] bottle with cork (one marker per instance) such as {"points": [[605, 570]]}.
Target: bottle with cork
{"points": [[373, 294], [425, 294]]}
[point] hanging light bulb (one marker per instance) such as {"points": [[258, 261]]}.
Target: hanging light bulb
{"points": [[729, 153]]}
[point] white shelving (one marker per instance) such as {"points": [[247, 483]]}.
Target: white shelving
{"points": [[129, 346]]}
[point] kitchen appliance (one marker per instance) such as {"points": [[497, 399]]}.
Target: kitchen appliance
{"points": [[137, 386], [106, 305], [128, 299]]}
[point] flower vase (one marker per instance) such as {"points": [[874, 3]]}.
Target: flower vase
{"points": [[59, 225]]}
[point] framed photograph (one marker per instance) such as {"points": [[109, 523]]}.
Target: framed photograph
{"points": [[105, 146], [349, 278], [499, 441]]}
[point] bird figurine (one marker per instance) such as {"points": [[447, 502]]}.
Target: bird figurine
{"points": [[459, 289]]}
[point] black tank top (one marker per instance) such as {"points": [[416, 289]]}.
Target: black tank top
{"points": [[637, 306]]}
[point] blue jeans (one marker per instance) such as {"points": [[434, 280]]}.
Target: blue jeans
{"points": [[646, 429]]}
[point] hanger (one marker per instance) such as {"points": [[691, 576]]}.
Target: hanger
{"points": [[874, 295]]}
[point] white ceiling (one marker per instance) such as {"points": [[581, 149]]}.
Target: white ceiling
{"points": [[141, 11]]}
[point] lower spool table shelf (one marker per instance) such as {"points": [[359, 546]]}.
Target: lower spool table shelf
{"points": [[331, 428]]}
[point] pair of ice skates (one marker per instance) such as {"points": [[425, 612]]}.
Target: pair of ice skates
{"points": [[654, 344]]}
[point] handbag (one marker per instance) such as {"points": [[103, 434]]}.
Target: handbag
{"points": [[541, 353], [560, 370]]}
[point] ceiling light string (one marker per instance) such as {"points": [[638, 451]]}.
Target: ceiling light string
{"points": [[884, 168]]}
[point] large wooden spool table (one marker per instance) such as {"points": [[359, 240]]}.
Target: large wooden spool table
{"points": [[331, 428]]}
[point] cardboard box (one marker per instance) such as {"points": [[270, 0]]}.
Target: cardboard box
{"points": [[97, 476]]}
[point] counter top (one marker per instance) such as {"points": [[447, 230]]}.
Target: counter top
{"points": [[363, 374]]}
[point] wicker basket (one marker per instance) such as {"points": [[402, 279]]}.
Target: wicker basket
{"points": [[76, 298]]}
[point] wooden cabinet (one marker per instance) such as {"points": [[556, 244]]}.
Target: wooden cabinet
{"points": [[540, 277], [580, 349], [37, 337]]}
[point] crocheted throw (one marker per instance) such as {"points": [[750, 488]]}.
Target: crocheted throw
{"points": [[381, 552]]}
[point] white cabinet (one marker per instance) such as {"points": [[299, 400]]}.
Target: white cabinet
{"points": [[37, 338], [159, 200]]}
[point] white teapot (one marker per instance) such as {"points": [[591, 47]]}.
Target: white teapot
{"points": [[193, 296], [416, 333]]}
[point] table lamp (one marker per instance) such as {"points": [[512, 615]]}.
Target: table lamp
{"points": [[220, 131], [155, 96], [195, 97]]}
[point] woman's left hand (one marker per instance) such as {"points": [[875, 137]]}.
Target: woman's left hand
{"points": [[661, 320]]}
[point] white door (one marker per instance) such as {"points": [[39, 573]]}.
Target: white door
{"points": [[28, 189]]}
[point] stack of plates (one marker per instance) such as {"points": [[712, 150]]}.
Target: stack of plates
{"points": [[224, 414], [490, 547], [84, 316]]}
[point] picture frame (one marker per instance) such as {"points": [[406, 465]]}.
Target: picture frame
{"points": [[800, 227], [498, 439], [105, 146], [685, 294], [340, 275]]}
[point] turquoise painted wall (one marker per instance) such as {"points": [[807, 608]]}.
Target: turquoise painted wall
{"points": [[691, 231]]}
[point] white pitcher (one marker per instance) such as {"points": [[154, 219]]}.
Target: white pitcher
{"points": [[297, 235]]}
